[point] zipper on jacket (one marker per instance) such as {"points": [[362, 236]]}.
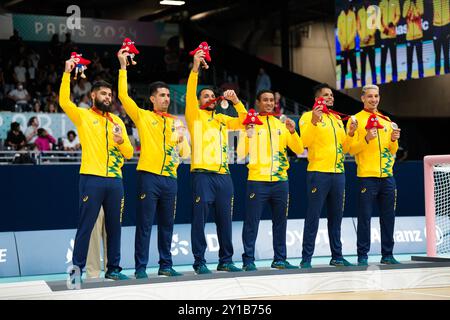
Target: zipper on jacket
{"points": [[107, 147], [271, 151], [335, 143], [164, 144]]}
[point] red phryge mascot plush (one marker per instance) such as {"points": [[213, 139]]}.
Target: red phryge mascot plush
{"points": [[81, 64], [320, 102], [131, 49], [252, 118], [205, 48], [373, 122]]}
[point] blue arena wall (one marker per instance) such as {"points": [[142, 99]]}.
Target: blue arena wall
{"points": [[45, 197]]}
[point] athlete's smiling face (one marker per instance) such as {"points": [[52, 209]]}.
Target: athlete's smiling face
{"points": [[266, 102], [327, 95], [371, 99]]}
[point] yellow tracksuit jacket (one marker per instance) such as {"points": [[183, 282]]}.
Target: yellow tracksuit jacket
{"points": [[390, 13], [366, 34], [326, 142], [413, 13], [209, 131], [101, 156], [376, 158], [346, 26], [160, 151], [441, 12], [267, 149]]}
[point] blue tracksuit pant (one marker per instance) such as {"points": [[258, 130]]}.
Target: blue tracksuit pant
{"points": [[383, 192], [260, 195], [94, 192], [212, 192], [157, 195], [324, 188]]}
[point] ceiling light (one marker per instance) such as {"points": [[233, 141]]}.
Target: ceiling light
{"points": [[172, 2]]}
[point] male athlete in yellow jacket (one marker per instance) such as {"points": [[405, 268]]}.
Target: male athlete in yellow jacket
{"points": [[267, 183], [104, 148], [374, 150], [324, 136], [211, 181], [162, 144]]}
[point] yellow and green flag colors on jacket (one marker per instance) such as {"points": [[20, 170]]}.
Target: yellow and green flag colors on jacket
{"points": [[267, 150], [101, 156], [413, 12], [375, 158], [327, 143], [441, 12], [346, 28], [160, 151], [209, 131], [390, 13]]}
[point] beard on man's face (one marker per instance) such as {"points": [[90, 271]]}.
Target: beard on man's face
{"points": [[102, 106]]}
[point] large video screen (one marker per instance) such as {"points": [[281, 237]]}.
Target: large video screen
{"points": [[381, 41]]}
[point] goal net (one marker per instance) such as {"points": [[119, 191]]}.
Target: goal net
{"points": [[437, 204]]}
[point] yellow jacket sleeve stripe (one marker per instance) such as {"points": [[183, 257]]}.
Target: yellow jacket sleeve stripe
{"points": [[294, 142]]}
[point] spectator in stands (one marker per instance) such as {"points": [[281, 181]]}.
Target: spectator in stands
{"points": [[279, 104], [32, 129], [263, 81], [84, 103], [21, 98], [230, 84], [51, 107], [83, 87], [45, 141], [71, 143], [36, 106], [16, 139], [16, 39], [20, 72], [54, 50]]}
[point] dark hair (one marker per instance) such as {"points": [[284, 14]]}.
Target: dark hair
{"points": [[15, 126], [207, 88], [154, 86], [261, 92], [71, 132], [40, 131], [319, 87], [101, 84], [31, 121]]}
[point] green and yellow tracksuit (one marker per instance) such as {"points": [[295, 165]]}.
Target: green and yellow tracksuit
{"points": [[327, 143], [211, 182], [160, 151], [364, 31], [101, 156], [346, 26], [157, 173], [209, 131], [390, 13], [441, 12], [100, 181], [375, 158], [413, 12], [267, 150], [267, 184]]}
